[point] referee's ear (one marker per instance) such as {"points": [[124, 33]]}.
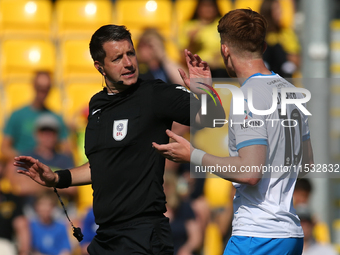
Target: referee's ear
{"points": [[98, 66]]}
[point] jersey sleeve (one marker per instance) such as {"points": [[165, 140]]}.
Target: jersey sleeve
{"points": [[10, 126], [305, 127], [248, 128], [175, 103]]}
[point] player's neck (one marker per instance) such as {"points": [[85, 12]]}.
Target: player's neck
{"points": [[246, 68]]}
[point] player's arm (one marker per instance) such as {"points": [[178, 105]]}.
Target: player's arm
{"points": [[250, 157], [307, 158], [43, 175], [247, 165]]}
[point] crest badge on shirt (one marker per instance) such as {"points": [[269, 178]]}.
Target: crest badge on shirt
{"points": [[120, 129]]}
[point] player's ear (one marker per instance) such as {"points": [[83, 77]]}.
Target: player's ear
{"points": [[224, 50]]}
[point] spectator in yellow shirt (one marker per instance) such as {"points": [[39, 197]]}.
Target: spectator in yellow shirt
{"points": [[200, 36]]}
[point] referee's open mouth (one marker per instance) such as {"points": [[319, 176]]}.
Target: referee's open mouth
{"points": [[129, 74]]}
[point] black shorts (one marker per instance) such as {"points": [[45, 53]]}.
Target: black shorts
{"points": [[151, 236]]}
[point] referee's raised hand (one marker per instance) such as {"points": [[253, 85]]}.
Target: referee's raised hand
{"points": [[177, 151], [36, 170]]}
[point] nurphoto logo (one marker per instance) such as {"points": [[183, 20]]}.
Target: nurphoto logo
{"points": [[277, 99]]}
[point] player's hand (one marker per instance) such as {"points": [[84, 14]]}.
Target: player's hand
{"points": [[177, 151], [199, 71], [36, 170]]}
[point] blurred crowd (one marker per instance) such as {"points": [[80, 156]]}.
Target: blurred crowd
{"points": [[200, 210]]}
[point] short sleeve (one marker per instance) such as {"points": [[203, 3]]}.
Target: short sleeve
{"points": [[174, 102], [10, 126], [248, 128]]}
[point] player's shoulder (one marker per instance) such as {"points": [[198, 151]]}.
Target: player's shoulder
{"points": [[265, 82]]}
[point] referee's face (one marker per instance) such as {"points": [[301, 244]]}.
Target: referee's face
{"points": [[120, 63]]}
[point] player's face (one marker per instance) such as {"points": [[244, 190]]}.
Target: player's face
{"points": [[120, 62]]}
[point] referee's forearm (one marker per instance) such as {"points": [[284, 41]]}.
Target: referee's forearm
{"points": [[81, 175]]}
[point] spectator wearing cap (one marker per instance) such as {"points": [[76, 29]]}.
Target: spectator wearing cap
{"points": [[47, 128], [310, 246], [46, 133]]}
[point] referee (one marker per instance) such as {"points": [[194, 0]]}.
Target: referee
{"points": [[126, 173]]}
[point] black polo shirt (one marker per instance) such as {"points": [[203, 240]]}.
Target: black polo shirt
{"points": [[126, 172]]}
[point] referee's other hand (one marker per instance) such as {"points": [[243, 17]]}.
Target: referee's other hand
{"points": [[177, 151], [36, 170]]}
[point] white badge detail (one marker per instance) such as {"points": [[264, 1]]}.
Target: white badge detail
{"points": [[120, 129], [183, 88]]}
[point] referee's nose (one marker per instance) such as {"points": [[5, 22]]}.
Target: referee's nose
{"points": [[127, 62]]}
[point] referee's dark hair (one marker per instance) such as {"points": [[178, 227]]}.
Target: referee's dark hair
{"points": [[105, 34]]}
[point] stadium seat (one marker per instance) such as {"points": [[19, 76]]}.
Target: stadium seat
{"points": [[80, 18], [25, 18], [77, 98], [145, 14], [18, 94], [76, 61], [224, 6], [184, 10], [21, 58], [245, 4]]}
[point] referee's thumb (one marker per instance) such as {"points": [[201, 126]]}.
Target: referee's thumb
{"points": [[172, 135]]}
